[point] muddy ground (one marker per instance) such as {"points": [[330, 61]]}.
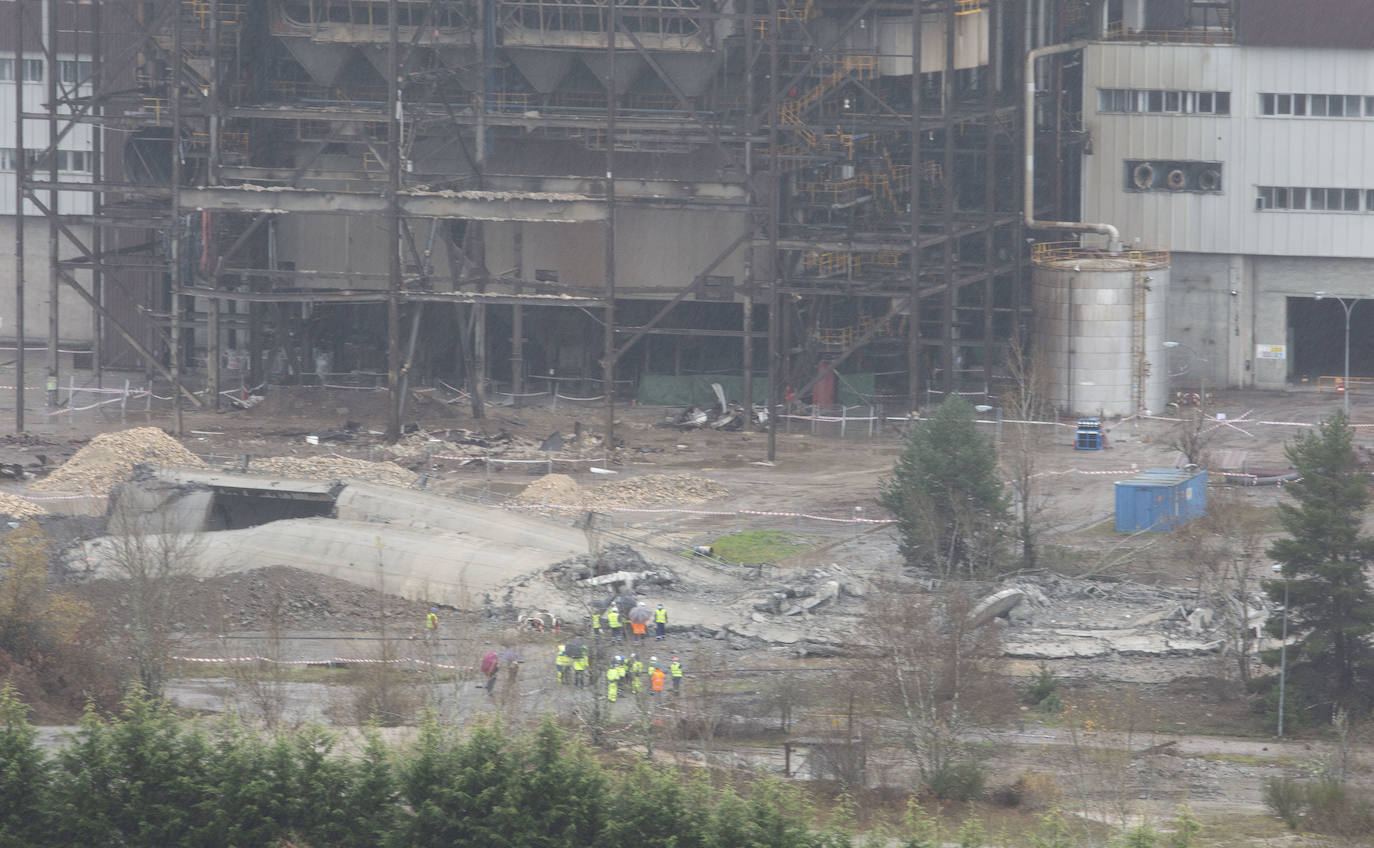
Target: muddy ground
{"points": [[1113, 624]]}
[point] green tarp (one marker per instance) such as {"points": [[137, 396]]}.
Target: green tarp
{"points": [[695, 390]]}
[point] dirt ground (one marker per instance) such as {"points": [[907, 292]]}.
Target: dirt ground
{"points": [[813, 477]]}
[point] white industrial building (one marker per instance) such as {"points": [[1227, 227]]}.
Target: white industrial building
{"points": [[1243, 150]]}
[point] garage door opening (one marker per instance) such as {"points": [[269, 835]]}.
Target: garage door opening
{"points": [[1317, 339], [238, 509]]}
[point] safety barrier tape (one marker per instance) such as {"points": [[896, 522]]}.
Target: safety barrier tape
{"points": [[515, 461], [714, 513], [254, 659]]}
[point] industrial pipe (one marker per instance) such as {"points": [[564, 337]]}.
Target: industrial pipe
{"points": [[1113, 236]]}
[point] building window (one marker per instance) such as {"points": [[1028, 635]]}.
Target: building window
{"points": [[1163, 102], [1317, 105], [7, 158], [74, 160], [1314, 199], [33, 70], [74, 71], [6, 70]]}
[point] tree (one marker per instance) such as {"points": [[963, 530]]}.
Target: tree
{"points": [[1323, 558], [23, 776], [1025, 404], [946, 496], [151, 554]]}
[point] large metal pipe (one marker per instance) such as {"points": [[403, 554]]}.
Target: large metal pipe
{"points": [[1113, 236]]}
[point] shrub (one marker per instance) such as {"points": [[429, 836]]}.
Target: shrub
{"points": [[1285, 798], [961, 781]]}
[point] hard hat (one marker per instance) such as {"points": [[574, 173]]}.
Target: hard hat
{"points": [[653, 659], [634, 656], [674, 659], [660, 606], [619, 658], [436, 609]]}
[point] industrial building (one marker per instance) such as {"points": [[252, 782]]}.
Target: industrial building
{"points": [[509, 194]]}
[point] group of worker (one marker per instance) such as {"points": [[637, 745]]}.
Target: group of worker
{"points": [[633, 667], [579, 662], [575, 666], [615, 624]]}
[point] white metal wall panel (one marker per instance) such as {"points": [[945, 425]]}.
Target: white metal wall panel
{"points": [[1255, 150]]}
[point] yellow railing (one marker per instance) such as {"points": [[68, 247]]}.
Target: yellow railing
{"points": [[833, 191], [968, 7], [1335, 383], [1058, 253], [1117, 31]]}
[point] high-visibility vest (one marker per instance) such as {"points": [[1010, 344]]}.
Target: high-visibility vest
{"points": [[596, 621], [432, 621], [656, 680], [580, 664], [612, 618], [675, 668], [637, 627], [637, 667], [661, 615], [563, 660], [613, 673]]}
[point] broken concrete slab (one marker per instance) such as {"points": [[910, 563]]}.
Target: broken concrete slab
{"points": [[994, 605]]}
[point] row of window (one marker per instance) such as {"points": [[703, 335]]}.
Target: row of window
{"points": [[69, 71], [1164, 101], [1315, 199], [1128, 101], [72, 161], [1317, 105]]}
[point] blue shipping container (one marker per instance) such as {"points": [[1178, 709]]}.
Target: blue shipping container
{"points": [[1160, 499]]}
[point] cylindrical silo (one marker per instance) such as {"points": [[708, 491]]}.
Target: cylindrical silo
{"points": [[1099, 328]]}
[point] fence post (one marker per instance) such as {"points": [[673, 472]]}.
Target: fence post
{"points": [[871, 416], [844, 419], [71, 391], [124, 398]]}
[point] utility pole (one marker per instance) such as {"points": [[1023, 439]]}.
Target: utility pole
{"points": [[393, 225], [608, 329]]}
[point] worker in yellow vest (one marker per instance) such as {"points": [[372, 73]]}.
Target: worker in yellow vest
{"points": [[613, 675], [562, 663], [596, 623], [636, 673], [675, 670], [581, 663], [660, 623], [613, 621]]}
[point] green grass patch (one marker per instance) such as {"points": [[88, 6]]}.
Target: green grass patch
{"points": [[754, 546]]}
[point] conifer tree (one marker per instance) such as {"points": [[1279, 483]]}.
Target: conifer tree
{"points": [[1323, 560], [23, 776], [944, 491]]}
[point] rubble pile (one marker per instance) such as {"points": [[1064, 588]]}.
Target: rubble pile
{"points": [[648, 490], [16, 507], [501, 445], [109, 459], [333, 468]]}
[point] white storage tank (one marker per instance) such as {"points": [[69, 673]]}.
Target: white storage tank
{"points": [[1099, 327]]}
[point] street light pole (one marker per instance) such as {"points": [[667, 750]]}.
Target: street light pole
{"points": [[1348, 303]]}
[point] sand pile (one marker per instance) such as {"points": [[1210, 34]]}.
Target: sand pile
{"points": [[109, 459], [333, 468], [648, 490], [16, 507]]}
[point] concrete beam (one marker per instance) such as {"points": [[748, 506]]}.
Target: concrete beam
{"points": [[535, 207]]}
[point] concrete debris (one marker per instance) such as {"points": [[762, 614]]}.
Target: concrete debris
{"points": [[1200, 620], [109, 460], [994, 605]]}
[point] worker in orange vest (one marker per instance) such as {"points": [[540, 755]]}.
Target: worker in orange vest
{"points": [[638, 628], [656, 678]]}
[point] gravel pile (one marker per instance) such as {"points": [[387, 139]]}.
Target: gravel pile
{"points": [[16, 507], [333, 468], [109, 459], [648, 490]]}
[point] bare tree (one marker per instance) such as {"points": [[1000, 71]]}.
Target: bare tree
{"points": [[938, 669], [154, 555], [1192, 437], [1023, 441]]}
